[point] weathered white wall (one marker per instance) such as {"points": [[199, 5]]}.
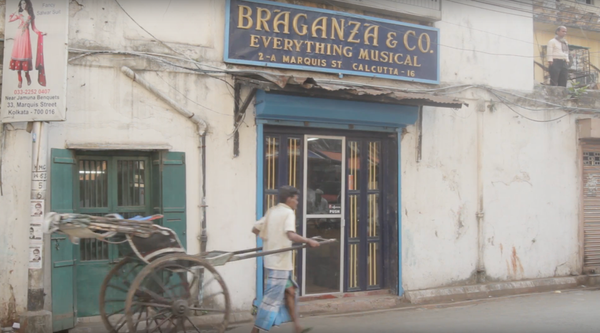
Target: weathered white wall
{"points": [[106, 107], [14, 223], [486, 44], [529, 170], [530, 198], [439, 243], [529, 204]]}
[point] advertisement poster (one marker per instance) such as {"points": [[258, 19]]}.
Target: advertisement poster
{"points": [[35, 61], [35, 256], [36, 234], [37, 210]]}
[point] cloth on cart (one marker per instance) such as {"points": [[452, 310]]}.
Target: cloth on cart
{"points": [[272, 311]]}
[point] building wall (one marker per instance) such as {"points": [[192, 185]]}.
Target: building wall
{"points": [[481, 45], [14, 223], [117, 110], [528, 171], [530, 194]]}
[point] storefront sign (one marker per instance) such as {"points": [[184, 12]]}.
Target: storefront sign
{"points": [[265, 33], [35, 60]]}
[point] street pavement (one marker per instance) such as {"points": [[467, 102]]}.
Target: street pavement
{"points": [[573, 311]]}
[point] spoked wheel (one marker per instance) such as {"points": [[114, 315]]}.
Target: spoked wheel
{"points": [[114, 291], [178, 293]]}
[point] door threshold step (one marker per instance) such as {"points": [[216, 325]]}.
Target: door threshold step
{"points": [[379, 292], [366, 301]]}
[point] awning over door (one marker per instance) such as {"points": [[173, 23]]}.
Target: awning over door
{"points": [[291, 110], [345, 90]]}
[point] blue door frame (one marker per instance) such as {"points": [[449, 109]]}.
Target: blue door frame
{"points": [[286, 110]]}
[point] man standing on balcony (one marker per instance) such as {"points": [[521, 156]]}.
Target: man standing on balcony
{"points": [[558, 58]]}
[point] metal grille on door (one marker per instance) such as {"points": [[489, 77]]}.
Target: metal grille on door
{"points": [[591, 209], [272, 172]]}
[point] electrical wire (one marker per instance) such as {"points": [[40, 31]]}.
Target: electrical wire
{"points": [[528, 118], [172, 49], [455, 89], [191, 100], [442, 91]]}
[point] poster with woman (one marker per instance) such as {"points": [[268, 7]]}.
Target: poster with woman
{"points": [[35, 60]]}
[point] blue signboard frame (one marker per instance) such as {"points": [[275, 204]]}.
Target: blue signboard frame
{"points": [[340, 72]]}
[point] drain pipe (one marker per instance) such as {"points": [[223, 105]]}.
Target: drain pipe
{"points": [[481, 275], [202, 128]]}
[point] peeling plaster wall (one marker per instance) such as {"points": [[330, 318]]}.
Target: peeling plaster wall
{"points": [[439, 200], [531, 196], [484, 44], [14, 224], [530, 170], [531, 214], [106, 107]]}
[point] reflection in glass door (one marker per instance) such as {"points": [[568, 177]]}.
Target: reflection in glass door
{"points": [[324, 188]]}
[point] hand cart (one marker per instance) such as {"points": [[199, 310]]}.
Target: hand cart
{"points": [[156, 286]]}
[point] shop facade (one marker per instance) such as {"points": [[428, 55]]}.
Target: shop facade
{"points": [[371, 110]]}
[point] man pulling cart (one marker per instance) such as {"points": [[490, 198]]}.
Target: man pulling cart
{"points": [[157, 287], [278, 230]]}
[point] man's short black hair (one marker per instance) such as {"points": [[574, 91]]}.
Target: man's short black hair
{"points": [[286, 192]]}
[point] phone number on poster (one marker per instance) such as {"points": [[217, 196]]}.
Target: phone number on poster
{"points": [[31, 91]]}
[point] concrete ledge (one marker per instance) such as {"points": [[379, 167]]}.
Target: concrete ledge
{"points": [[348, 304], [495, 289], [593, 280], [36, 322], [95, 325]]}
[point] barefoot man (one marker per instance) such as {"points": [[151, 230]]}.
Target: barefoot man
{"points": [[278, 230]]}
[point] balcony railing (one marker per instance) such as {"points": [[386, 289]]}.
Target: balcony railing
{"points": [[581, 72], [567, 13]]}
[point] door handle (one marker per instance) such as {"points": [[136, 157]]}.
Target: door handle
{"points": [[56, 244]]}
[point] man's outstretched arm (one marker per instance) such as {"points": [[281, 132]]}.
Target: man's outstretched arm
{"points": [[294, 237]]}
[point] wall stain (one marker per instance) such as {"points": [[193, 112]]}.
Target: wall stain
{"points": [[460, 221], [517, 267], [74, 7], [501, 249], [8, 312], [522, 177]]}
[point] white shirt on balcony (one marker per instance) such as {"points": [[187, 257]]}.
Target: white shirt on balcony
{"points": [[554, 51]]}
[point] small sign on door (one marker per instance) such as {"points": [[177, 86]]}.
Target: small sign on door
{"points": [[335, 209]]}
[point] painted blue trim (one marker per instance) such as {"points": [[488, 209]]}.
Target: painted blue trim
{"points": [[259, 208], [400, 288], [226, 46], [332, 111], [326, 125], [327, 70], [439, 58]]}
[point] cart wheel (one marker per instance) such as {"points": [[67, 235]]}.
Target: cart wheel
{"points": [[114, 291], [178, 293]]}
